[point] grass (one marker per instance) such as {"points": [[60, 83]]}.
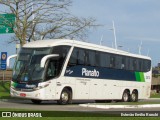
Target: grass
{"points": [[4, 90], [155, 95]]}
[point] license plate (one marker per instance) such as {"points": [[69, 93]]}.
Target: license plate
{"points": [[23, 94]]}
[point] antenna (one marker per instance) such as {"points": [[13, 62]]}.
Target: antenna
{"points": [[140, 47], [101, 40]]}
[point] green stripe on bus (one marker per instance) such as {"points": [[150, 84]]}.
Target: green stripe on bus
{"points": [[142, 77], [139, 76], [14, 84]]}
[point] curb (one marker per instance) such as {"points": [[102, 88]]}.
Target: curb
{"points": [[153, 99], [12, 100], [120, 106], [4, 100]]}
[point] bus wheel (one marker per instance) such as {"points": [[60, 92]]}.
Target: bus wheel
{"points": [[134, 96], [36, 101], [125, 96], [65, 97]]}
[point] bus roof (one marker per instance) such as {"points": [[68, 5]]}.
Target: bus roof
{"points": [[55, 42]]}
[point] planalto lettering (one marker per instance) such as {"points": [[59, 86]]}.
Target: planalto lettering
{"points": [[92, 73]]}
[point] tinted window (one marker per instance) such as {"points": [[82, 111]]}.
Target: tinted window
{"points": [[146, 65], [53, 69], [97, 59], [61, 50], [74, 57], [104, 59], [81, 56], [55, 66], [127, 63], [77, 57], [91, 58], [101, 59], [134, 64], [123, 65], [140, 65], [118, 62], [112, 61]]}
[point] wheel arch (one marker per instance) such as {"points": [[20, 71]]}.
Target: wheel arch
{"points": [[126, 90], [135, 90], [69, 88]]}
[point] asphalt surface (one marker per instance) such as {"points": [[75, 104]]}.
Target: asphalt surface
{"points": [[52, 106]]}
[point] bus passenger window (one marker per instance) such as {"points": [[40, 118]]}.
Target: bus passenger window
{"points": [[92, 58], [146, 65], [112, 62], [122, 66], [73, 58], [97, 59], [118, 64], [87, 60], [140, 65], [134, 64], [81, 55], [103, 60], [123, 63]]}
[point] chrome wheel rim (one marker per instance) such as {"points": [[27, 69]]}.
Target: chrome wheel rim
{"points": [[133, 97], [125, 97], [65, 96]]}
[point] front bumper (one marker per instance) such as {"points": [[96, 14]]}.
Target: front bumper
{"points": [[38, 94]]}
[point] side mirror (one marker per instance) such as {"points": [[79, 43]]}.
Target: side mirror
{"points": [[45, 58], [8, 59]]}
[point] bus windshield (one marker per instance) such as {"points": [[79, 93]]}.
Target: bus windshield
{"points": [[27, 67]]}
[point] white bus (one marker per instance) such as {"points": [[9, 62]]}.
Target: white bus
{"points": [[66, 70]]}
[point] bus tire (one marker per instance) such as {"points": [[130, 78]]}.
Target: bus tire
{"points": [[65, 97], [125, 96], [36, 101], [134, 96]]}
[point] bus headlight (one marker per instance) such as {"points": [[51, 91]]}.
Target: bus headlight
{"points": [[41, 86]]}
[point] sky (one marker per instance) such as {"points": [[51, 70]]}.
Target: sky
{"points": [[135, 21]]}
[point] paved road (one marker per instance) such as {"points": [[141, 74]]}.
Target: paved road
{"points": [[52, 106], [46, 105]]}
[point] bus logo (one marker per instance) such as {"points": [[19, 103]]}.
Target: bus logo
{"points": [[90, 73]]}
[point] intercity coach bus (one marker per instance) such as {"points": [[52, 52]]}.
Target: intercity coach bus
{"points": [[66, 70]]}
